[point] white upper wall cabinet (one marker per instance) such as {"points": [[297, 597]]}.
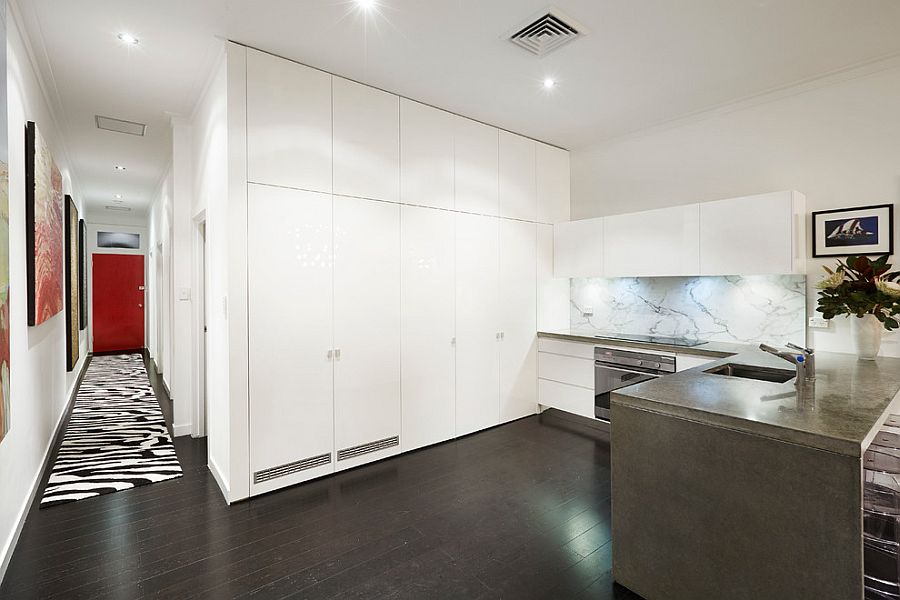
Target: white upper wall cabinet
{"points": [[518, 197], [578, 248], [652, 243], [552, 182], [753, 235], [288, 123], [426, 155], [366, 142], [476, 171]]}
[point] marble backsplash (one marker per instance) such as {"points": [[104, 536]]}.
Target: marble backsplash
{"points": [[750, 309]]}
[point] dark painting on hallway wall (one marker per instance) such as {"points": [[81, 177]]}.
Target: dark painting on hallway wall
{"points": [[82, 275], [43, 228], [72, 284], [4, 238]]}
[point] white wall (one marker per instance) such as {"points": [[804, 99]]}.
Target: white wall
{"points": [[40, 386], [836, 141]]}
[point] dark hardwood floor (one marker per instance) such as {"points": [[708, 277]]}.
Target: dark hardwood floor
{"points": [[519, 511]]}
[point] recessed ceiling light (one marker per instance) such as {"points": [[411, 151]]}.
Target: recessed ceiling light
{"points": [[549, 83], [129, 39], [119, 168], [118, 196], [366, 4]]}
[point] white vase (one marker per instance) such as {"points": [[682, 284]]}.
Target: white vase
{"points": [[867, 336]]}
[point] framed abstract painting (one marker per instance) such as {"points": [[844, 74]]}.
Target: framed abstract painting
{"points": [[73, 289], [82, 275], [43, 229], [867, 230]]}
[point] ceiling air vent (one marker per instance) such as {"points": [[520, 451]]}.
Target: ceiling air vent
{"points": [[120, 126], [545, 32], [118, 208]]}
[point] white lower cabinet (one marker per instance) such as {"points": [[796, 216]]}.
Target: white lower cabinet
{"points": [[566, 397], [518, 319], [427, 326], [290, 324], [477, 323], [366, 330]]}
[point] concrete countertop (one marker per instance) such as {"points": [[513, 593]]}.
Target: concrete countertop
{"points": [[851, 400], [709, 349]]}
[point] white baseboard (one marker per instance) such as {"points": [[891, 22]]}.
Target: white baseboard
{"points": [[220, 479], [13, 539], [180, 430]]}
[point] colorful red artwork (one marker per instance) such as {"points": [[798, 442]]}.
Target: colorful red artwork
{"points": [[44, 211]]}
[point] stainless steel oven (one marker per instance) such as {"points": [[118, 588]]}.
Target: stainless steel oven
{"points": [[615, 368]]}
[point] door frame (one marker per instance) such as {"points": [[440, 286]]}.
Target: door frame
{"points": [[200, 279]]}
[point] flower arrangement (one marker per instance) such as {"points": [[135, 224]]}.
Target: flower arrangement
{"points": [[860, 286]]}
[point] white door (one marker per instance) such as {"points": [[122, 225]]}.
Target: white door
{"points": [[552, 292], [518, 198], [366, 141], [477, 323], [366, 330], [518, 314], [426, 155], [427, 326], [289, 286], [552, 183], [476, 169]]}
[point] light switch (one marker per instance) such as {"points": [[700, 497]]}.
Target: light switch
{"points": [[587, 311], [184, 293]]}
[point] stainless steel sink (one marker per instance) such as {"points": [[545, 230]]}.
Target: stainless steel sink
{"points": [[749, 372]]}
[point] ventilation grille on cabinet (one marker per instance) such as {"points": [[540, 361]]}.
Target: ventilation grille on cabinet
{"points": [[368, 448], [290, 468], [545, 33], [120, 126]]}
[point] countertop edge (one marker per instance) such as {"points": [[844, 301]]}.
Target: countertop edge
{"points": [[695, 350]]}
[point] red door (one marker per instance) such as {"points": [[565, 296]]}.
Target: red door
{"points": [[118, 301]]}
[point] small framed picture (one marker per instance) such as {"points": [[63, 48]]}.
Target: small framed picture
{"points": [[861, 230]]}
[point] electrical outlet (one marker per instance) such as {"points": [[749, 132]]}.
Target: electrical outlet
{"points": [[587, 311], [818, 323]]}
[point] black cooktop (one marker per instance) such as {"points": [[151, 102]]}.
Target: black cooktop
{"points": [[651, 339]]}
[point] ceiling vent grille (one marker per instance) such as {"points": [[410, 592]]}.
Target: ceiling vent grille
{"points": [[367, 448], [546, 32], [290, 468], [120, 126], [119, 208]]}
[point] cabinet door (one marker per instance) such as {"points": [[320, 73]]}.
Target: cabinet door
{"points": [[477, 323], [366, 141], [552, 182], [476, 148], [518, 326], [747, 236], [426, 155], [517, 183], [652, 243], [366, 330], [427, 329], [578, 248], [288, 123], [290, 303], [552, 292]]}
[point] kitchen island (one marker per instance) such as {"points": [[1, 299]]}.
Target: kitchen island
{"points": [[735, 487]]}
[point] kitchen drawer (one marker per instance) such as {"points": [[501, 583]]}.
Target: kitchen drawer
{"points": [[576, 349], [570, 398], [566, 369]]}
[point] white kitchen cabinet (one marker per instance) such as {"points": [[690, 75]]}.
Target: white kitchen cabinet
{"points": [[476, 171], [518, 320], [652, 243], [552, 175], [552, 292], [569, 398], [753, 235], [366, 141], [290, 336], [428, 326], [366, 330], [288, 123], [578, 248], [426, 155], [518, 197], [566, 369], [477, 323], [567, 348]]}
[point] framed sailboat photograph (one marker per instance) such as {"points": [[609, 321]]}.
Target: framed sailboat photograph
{"points": [[865, 230]]}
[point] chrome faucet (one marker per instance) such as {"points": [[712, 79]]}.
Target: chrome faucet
{"points": [[803, 358]]}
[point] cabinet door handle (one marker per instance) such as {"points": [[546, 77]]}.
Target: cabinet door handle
{"points": [[337, 354], [330, 354]]}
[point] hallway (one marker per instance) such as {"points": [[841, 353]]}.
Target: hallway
{"points": [[519, 511]]}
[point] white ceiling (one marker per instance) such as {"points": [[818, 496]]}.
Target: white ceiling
{"points": [[644, 62]]}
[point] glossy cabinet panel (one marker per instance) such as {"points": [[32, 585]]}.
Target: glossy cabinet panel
{"points": [[652, 243], [552, 177], [476, 171], [518, 194], [578, 248], [426, 155], [552, 292]]}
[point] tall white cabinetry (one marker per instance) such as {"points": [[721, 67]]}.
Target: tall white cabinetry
{"points": [[476, 167], [426, 155], [366, 330], [290, 327], [518, 193], [428, 326]]}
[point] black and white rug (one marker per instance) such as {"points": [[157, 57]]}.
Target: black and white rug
{"points": [[116, 438]]}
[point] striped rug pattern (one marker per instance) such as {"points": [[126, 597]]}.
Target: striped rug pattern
{"points": [[116, 438]]}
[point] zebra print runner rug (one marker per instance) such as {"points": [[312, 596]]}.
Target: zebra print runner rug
{"points": [[116, 438]]}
